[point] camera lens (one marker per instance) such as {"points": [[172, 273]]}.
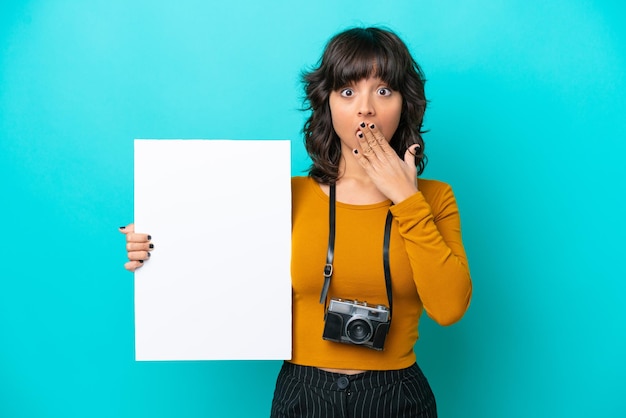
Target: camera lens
{"points": [[358, 330]]}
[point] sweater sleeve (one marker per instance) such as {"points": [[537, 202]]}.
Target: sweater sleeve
{"points": [[430, 225]]}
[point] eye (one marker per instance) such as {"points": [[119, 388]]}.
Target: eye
{"points": [[347, 92], [384, 91]]}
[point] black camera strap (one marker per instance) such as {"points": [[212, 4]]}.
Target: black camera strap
{"points": [[386, 266], [328, 268]]}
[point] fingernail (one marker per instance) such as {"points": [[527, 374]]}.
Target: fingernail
{"points": [[360, 134], [141, 261], [372, 126], [122, 227], [151, 246], [148, 255], [362, 124], [149, 237]]}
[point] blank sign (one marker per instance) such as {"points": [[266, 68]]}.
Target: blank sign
{"points": [[218, 284]]}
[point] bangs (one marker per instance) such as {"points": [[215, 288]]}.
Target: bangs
{"points": [[364, 56]]}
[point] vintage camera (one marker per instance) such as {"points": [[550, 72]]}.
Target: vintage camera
{"points": [[354, 322]]}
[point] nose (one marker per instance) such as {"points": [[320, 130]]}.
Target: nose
{"points": [[366, 106]]}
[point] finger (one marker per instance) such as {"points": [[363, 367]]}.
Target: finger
{"points": [[369, 137], [364, 147], [139, 246], [132, 237], [381, 141], [128, 228], [376, 133], [138, 255], [379, 144], [133, 265], [362, 159], [411, 154]]}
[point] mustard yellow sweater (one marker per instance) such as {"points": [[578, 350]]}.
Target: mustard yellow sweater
{"points": [[428, 268]]}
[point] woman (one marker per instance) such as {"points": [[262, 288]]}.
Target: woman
{"points": [[367, 104]]}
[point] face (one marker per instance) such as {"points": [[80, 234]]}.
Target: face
{"points": [[368, 100]]}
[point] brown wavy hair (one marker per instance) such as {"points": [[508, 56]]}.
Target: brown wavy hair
{"points": [[350, 56]]}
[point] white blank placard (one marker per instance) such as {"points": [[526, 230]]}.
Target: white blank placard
{"points": [[218, 284]]}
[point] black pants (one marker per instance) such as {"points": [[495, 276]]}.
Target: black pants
{"points": [[310, 392]]}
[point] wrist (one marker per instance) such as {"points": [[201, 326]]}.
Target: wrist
{"points": [[403, 195]]}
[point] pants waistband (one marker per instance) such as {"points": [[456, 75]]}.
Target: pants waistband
{"points": [[370, 379]]}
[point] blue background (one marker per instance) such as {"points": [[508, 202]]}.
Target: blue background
{"points": [[526, 122]]}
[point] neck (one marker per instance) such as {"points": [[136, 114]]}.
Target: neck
{"points": [[354, 185]]}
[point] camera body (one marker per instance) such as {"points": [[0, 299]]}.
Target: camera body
{"points": [[354, 322]]}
